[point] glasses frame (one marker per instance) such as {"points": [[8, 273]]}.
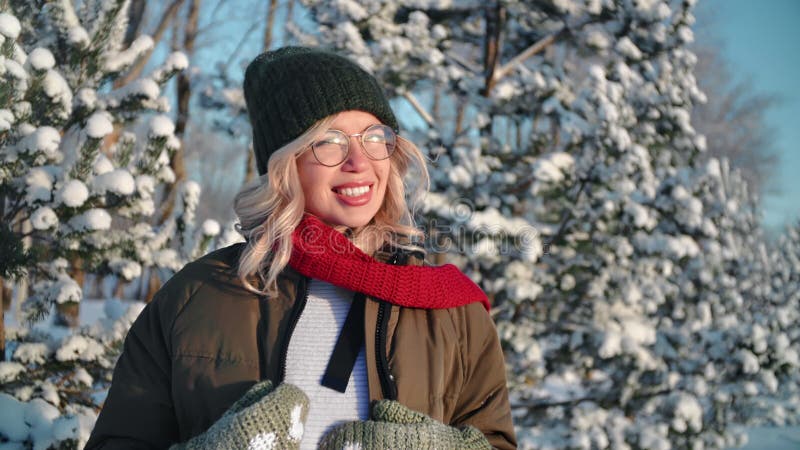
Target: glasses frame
{"points": [[360, 135]]}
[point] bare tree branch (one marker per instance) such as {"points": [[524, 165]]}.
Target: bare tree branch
{"points": [[239, 45], [537, 47], [136, 70], [426, 116]]}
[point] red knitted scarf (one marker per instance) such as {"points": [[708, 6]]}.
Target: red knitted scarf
{"points": [[325, 254]]}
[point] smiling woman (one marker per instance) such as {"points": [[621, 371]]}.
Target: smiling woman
{"points": [[328, 299]]}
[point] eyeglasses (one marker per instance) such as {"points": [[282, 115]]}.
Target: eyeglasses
{"points": [[332, 148]]}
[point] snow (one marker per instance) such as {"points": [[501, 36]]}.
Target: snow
{"points": [[177, 61], [567, 282], [31, 353], [15, 69], [126, 57], [167, 258], [44, 218], [77, 347], [143, 87], [45, 140], [675, 247], [78, 36], [688, 414], [749, 361], [39, 186], [210, 227], [39, 415], [641, 216], [9, 371], [41, 59], [119, 181], [9, 26], [99, 125], [73, 194], [551, 168], [86, 98], [12, 418], [95, 219], [102, 165], [6, 120], [506, 90], [57, 88], [161, 126], [460, 176], [126, 268], [598, 39]]}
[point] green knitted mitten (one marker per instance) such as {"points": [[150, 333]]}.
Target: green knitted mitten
{"points": [[395, 426], [262, 419]]}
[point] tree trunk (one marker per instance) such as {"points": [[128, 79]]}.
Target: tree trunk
{"points": [[184, 89], [249, 169], [3, 319], [68, 314], [495, 17], [460, 110], [273, 6], [153, 285]]}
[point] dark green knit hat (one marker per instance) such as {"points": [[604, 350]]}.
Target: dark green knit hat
{"points": [[289, 89]]}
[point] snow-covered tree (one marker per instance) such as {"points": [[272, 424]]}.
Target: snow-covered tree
{"points": [[571, 127], [82, 166]]}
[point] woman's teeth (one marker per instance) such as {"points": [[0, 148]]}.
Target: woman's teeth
{"points": [[353, 192]]}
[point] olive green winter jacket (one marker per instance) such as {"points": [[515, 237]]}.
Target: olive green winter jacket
{"points": [[204, 340]]}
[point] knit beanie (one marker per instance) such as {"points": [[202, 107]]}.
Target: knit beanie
{"points": [[289, 89]]}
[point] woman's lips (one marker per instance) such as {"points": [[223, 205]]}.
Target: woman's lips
{"points": [[351, 196]]}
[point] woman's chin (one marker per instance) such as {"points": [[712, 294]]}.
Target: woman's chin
{"points": [[352, 221]]}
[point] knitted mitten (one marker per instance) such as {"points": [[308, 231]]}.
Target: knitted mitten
{"points": [[262, 419], [395, 426]]}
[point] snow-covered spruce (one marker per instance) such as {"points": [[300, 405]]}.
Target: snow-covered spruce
{"points": [[633, 325], [80, 187]]}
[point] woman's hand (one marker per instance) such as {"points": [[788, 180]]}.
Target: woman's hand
{"points": [[396, 426]]}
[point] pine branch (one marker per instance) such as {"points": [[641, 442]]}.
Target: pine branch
{"points": [[600, 399]]}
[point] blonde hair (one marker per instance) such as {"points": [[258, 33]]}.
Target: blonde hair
{"points": [[271, 207]]}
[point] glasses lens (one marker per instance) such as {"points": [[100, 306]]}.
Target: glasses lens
{"points": [[379, 141], [331, 148]]}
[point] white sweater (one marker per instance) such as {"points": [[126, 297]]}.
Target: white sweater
{"points": [[310, 349]]}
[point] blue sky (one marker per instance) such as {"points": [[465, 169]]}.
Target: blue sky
{"points": [[762, 43]]}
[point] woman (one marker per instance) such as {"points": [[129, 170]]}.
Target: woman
{"points": [[327, 299]]}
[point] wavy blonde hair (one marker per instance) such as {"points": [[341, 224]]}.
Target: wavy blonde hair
{"points": [[270, 208]]}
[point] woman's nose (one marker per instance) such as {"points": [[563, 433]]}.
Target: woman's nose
{"points": [[357, 160]]}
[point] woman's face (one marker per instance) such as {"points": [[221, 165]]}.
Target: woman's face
{"points": [[336, 194]]}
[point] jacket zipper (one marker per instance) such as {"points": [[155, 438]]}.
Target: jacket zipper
{"points": [[297, 310], [388, 386]]}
